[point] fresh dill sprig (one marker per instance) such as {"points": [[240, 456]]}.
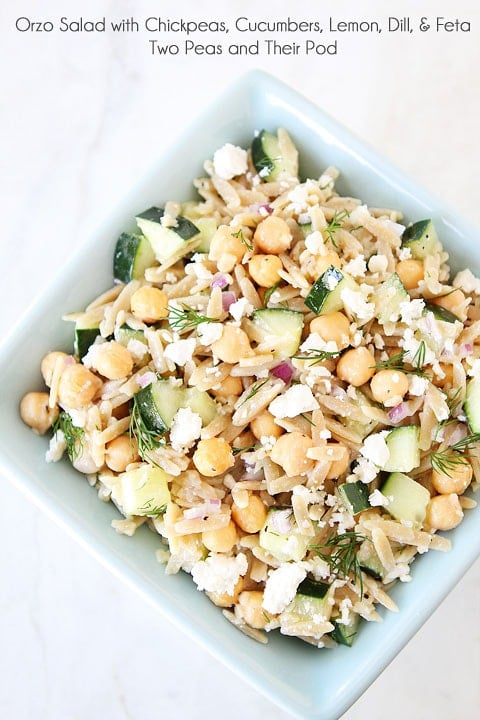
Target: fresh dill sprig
{"points": [[253, 391], [72, 433], [454, 403], [446, 461], [147, 440], [340, 552], [240, 235], [419, 357], [308, 420], [317, 356], [247, 448], [335, 224], [397, 362], [185, 318], [269, 292], [149, 508]]}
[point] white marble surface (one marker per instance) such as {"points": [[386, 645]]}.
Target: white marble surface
{"points": [[81, 118]]}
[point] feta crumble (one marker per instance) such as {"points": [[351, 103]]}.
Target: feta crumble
{"points": [[378, 499], [297, 399], [375, 449], [356, 267], [404, 253], [241, 308], [417, 385], [230, 161], [180, 351], [364, 470], [411, 310], [219, 573], [185, 429], [378, 263], [57, 447], [209, 332], [356, 304], [281, 587], [466, 281]]}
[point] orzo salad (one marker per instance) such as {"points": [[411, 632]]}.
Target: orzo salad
{"points": [[284, 384]]}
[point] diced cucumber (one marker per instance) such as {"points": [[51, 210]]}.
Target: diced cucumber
{"points": [[472, 404], [159, 402], [311, 599], [345, 633], [284, 546], [422, 239], [361, 428], [354, 496], [168, 242], [278, 330], [132, 256], [207, 228], [408, 499], [306, 228], [325, 293], [84, 338], [142, 491], [267, 158], [440, 313], [388, 298], [125, 333], [369, 561], [201, 403], [403, 445]]}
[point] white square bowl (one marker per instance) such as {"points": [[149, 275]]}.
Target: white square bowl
{"points": [[304, 681]]}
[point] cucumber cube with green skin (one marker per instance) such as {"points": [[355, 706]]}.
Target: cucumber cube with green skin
{"points": [[84, 338], [142, 491], [422, 239], [168, 242], [207, 228], [345, 633], [403, 445], [369, 561], [267, 158], [125, 333], [284, 546], [325, 295], [407, 499], [311, 599], [354, 496], [278, 330], [472, 404], [388, 298], [159, 402], [440, 313], [132, 256], [201, 403]]}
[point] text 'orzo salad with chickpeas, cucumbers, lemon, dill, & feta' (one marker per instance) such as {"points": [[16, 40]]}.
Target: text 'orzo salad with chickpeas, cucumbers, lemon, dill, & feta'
{"points": [[284, 384]]}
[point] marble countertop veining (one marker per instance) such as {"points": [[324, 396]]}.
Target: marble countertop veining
{"points": [[82, 119]]}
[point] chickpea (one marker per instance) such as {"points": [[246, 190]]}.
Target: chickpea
{"points": [[264, 269], [229, 386], [356, 366], [389, 386], [120, 452], [233, 344], [452, 301], [338, 467], [332, 326], [213, 457], [226, 600], [149, 304], [226, 248], [410, 272], [78, 386], [290, 451], [48, 365], [264, 425], [273, 235], [323, 262], [447, 380], [113, 360], [251, 518], [250, 602], [456, 481], [221, 540], [36, 413], [444, 512]]}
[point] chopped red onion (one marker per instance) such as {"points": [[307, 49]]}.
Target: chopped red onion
{"points": [[220, 281], [194, 513], [266, 208], [228, 298], [284, 371], [281, 520], [465, 350], [69, 360], [215, 503], [399, 412], [146, 379]]}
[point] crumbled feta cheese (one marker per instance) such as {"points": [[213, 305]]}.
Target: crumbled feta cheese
{"points": [[355, 304], [137, 349], [360, 215], [466, 281], [314, 243], [185, 429], [331, 281], [304, 219], [268, 441], [57, 447], [199, 270], [180, 351], [378, 499], [417, 385], [378, 263], [299, 197], [411, 310], [356, 267], [315, 342], [209, 332], [325, 434], [411, 346], [281, 587], [168, 221], [404, 253], [378, 341], [219, 573], [375, 449], [364, 470], [78, 417], [230, 161], [241, 308], [297, 399]]}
